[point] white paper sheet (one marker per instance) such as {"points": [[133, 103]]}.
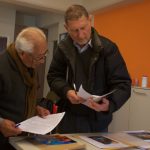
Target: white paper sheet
{"points": [[131, 140], [40, 125], [85, 95]]}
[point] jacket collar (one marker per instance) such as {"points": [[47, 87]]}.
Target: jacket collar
{"points": [[96, 42]]}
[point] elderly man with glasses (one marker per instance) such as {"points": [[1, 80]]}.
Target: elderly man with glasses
{"points": [[18, 84]]}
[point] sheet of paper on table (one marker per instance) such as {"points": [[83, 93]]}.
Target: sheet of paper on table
{"points": [[142, 134], [130, 140]]}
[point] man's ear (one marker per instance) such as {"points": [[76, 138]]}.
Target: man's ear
{"points": [[21, 54], [90, 18]]}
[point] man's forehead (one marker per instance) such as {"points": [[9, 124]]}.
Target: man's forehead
{"points": [[81, 19], [77, 25], [39, 52]]}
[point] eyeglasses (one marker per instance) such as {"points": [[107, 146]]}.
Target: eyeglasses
{"points": [[40, 57]]}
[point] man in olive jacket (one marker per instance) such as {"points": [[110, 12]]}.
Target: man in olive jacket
{"points": [[93, 61]]}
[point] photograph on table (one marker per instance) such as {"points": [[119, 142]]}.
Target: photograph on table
{"points": [[101, 141], [51, 139]]}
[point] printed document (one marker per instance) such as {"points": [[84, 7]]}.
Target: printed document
{"points": [[40, 125], [85, 95]]}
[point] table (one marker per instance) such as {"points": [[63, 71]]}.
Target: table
{"points": [[21, 143]]}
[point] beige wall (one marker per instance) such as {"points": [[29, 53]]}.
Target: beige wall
{"points": [[52, 36]]}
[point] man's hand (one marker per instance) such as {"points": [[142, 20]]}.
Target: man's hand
{"points": [[103, 106], [74, 98], [42, 112], [7, 128]]}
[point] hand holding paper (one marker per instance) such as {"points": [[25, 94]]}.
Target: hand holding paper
{"points": [[98, 98], [85, 95]]}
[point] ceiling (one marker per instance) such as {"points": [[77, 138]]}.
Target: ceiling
{"points": [[59, 6]]}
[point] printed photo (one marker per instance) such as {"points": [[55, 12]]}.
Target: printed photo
{"points": [[103, 142], [103, 139], [51, 140]]}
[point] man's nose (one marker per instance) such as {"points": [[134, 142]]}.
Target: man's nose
{"points": [[80, 33]]}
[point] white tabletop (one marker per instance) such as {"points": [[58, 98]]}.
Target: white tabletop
{"points": [[21, 143]]}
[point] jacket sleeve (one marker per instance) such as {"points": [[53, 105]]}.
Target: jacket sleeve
{"points": [[117, 77], [57, 74]]}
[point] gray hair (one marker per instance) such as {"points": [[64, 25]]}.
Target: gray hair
{"points": [[75, 12], [25, 39]]}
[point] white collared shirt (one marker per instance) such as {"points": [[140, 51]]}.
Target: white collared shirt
{"points": [[84, 48]]}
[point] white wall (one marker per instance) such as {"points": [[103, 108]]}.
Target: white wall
{"points": [[26, 20], [7, 22], [48, 19], [47, 5], [52, 36]]}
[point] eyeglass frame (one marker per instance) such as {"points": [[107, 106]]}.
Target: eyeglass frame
{"points": [[40, 58]]}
